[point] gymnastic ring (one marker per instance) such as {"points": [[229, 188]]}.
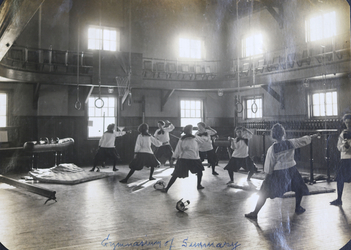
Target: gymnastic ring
{"points": [[254, 110], [78, 105], [239, 107], [102, 103]]}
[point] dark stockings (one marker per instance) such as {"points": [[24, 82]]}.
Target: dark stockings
{"points": [[262, 200], [251, 173], [340, 188], [173, 179], [199, 178], [131, 172], [231, 175], [298, 198], [151, 173]]}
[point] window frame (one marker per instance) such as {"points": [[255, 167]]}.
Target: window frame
{"points": [[245, 107], [7, 107], [308, 26], [311, 110], [115, 116], [202, 48], [202, 113], [118, 38], [244, 46]]}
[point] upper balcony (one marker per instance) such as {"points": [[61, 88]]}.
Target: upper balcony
{"points": [[306, 61]]}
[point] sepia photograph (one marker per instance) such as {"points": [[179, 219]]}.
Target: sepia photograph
{"points": [[175, 124]]}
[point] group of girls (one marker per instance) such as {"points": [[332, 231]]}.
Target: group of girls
{"points": [[280, 167], [197, 148]]}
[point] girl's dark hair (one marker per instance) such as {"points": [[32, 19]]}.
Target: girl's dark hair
{"points": [[239, 128], [202, 124], [346, 116], [143, 129], [111, 127], [278, 131], [187, 130], [161, 122]]}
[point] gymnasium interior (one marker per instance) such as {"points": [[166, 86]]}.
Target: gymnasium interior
{"points": [[69, 68]]}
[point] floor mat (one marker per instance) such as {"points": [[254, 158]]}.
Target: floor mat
{"points": [[67, 174]]}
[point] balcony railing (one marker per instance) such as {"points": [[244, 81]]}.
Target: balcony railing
{"points": [[332, 50], [180, 69], [328, 51], [49, 60]]}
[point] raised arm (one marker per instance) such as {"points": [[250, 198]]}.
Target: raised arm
{"points": [[302, 141], [119, 133], [211, 131], [247, 134], [169, 128]]}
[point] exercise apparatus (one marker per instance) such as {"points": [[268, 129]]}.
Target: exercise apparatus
{"points": [[44, 145], [182, 206], [31, 188], [159, 185]]}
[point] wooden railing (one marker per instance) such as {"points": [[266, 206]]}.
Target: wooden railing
{"points": [[49, 60], [334, 49], [180, 69]]}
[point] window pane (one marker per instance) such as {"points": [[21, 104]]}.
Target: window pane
{"points": [[184, 47], [324, 104], [189, 48], [191, 112], [253, 45], [98, 118], [3, 109], [94, 38], [254, 105], [322, 26], [315, 99], [103, 38]]}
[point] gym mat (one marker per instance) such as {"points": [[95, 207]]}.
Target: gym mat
{"points": [[67, 173]]}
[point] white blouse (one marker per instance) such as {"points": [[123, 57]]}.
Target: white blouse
{"points": [[164, 138], [284, 159], [188, 148], [345, 153], [206, 145], [241, 150], [143, 144], [108, 139]]}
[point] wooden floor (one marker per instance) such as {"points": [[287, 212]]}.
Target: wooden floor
{"points": [[105, 214]]}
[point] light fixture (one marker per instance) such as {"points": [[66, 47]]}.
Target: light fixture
{"points": [[110, 90], [220, 92]]}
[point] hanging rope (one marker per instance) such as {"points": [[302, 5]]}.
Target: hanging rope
{"points": [[239, 105], [78, 104], [130, 55], [99, 103], [254, 106]]}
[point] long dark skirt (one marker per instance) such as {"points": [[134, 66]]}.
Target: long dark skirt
{"points": [[165, 151], [183, 166], [282, 181], [344, 171], [235, 164], [209, 155], [104, 153], [143, 160]]}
